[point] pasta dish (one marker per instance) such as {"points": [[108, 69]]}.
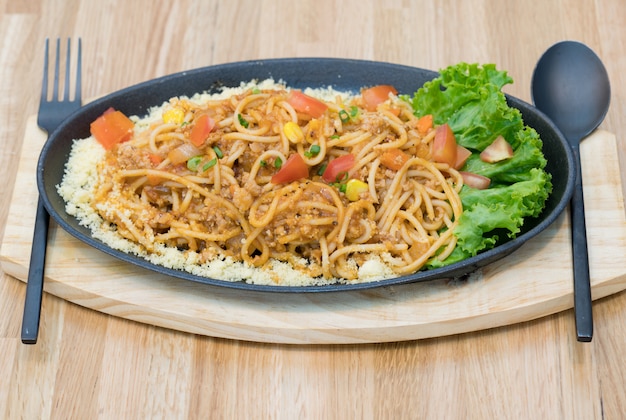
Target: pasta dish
{"points": [[277, 175]]}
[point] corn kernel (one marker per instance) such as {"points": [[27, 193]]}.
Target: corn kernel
{"points": [[293, 132], [174, 116], [354, 189]]}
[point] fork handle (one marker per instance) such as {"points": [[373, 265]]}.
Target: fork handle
{"points": [[34, 287]]}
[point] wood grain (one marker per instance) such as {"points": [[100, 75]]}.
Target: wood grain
{"points": [[92, 365]]}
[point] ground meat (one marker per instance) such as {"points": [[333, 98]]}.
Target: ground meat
{"points": [[158, 196], [128, 157], [242, 198], [374, 123], [216, 219], [297, 220]]}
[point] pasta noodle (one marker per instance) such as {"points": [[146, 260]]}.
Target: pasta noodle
{"points": [[219, 199]]}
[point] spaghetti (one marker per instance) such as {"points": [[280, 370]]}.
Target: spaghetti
{"points": [[239, 193]]}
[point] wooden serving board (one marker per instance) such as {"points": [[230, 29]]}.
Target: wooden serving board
{"points": [[533, 282]]}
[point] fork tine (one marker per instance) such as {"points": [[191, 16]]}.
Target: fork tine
{"points": [[67, 88], [55, 88], [78, 88], [44, 84], [68, 63]]}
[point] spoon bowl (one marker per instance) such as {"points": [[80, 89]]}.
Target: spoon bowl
{"points": [[571, 86]]}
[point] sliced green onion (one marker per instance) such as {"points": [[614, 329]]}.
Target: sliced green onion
{"points": [[242, 121], [335, 136], [354, 111], [218, 152], [193, 163], [256, 90], [314, 150], [342, 177], [343, 116], [322, 169], [263, 163], [278, 163], [341, 186], [209, 164]]}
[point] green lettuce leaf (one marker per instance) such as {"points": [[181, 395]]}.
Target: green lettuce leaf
{"points": [[526, 156], [469, 98]]}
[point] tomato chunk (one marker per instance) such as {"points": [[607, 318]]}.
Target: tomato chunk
{"points": [[337, 167], [376, 95], [155, 159], [111, 128], [306, 104], [201, 129], [424, 124], [462, 154], [394, 159], [498, 150], [294, 169], [475, 181], [444, 145]]}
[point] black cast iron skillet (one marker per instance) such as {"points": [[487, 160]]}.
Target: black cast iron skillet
{"points": [[341, 74]]}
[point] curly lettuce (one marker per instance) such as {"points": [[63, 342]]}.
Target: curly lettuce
{"points": [[469, 98]]}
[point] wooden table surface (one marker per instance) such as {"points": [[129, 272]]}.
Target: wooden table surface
{"points": [[91, 365]]}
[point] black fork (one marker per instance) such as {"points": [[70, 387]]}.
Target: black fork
{"points": [[51, 113]]}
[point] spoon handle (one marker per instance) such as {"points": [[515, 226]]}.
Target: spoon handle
{"points": [[582, 285]]}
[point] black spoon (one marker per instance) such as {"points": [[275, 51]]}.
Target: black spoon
{"points": [[571, 86]]}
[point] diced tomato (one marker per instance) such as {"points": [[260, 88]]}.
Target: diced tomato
{"points": [[444, 145], [475, 181], [155, 159], [376, 95], [462, 154], [394, 159], [424, 124], [306, 104], [337, 167], [111, 128], [201, 129], [294, 169], [499, 150]]}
